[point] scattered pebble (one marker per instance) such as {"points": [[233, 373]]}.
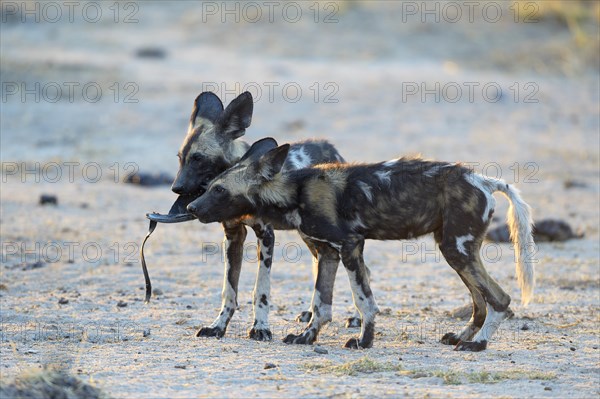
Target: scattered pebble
{"points": [[525, 327], [121, 304], [188, 306], [151, 52], [146, 333], [63, 301], [573, 348], [149, 179], [570, 183], [321, 350], [32, 266], [180, 366], [157, 291], [547, 389], [48, 199], [270, 366]]}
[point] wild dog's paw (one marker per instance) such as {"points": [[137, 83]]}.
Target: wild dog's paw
{"points": [[260, 334], [304, 317], [352, 322], [471, 346], [307, 338], [211, 332], [450, 339], [355, 343]]}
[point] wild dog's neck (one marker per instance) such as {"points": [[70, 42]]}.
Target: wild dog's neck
{"points": [[281, 192]]}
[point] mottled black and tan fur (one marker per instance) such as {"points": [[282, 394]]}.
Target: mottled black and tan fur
{"points": [[341, 205], [211, 146]]}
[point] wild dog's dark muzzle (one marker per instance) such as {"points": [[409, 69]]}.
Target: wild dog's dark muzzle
{"points": [[177, 214]]}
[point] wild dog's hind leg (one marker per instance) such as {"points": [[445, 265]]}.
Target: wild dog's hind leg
{"points": [[322, 296], [354, 320], [490, 302], [474, 324], [235, 234], [352, 257], [266, 243], [496, 300]]}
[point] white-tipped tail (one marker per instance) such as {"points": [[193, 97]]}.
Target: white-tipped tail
{"points": [[520, 225]]}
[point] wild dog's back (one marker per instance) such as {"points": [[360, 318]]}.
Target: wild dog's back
{"points": [[311, 152], [397, 199]]}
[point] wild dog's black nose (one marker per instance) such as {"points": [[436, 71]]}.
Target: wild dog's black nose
{"points": [[177, 189], [191, 209]]}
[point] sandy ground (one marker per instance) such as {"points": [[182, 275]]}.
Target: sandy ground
{"points": [[88, 244]]}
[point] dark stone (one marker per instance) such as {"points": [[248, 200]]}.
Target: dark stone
{"points": [[63, 301], [149, 179], [121, 304], [546, 230], [151, 52], [48, 199]]}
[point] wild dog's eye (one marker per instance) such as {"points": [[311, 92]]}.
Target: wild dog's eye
{"points": [[219, 189], [196, 157]]}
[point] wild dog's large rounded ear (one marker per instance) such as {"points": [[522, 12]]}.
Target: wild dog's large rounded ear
{"points": [[271, 163], [237, 117], [208, 106], [259, 148]]}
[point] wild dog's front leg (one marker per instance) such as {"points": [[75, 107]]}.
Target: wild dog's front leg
{"points": [[352, 257], [306, 315], [235, 234], [322, 298], [266, 243]]}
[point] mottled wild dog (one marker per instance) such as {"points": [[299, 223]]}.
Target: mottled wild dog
{"points": [[344, 204], [211, 146]]}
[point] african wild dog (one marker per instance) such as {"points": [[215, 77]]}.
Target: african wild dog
{"points": [[344, 204], [210, 147]]}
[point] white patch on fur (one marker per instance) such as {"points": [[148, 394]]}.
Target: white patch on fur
{"points": [[384, 176], [490, 325], [299, 158], [391, 162], [294, 218], [460, 243], [486, 186], [338, 158], [237, 149], [335, 246], [366, 189], [324, 310], [357, 224]]}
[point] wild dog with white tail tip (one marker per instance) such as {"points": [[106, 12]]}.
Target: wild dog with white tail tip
{"points": [[341, 205]]}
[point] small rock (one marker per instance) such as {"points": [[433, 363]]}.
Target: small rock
{"points": [[547, 389], [570, 183], [151, 52], [180, 366], [525, 327], [512, 361], [149, 179], [63, 301], [32, 266], [121, 304], [573, 348], [270, 366], [157, 291], [321, 350], [48, 199], [146, 332], [188, 306]]}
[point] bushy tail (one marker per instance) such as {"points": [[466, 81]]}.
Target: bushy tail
{"points": [[520, 225]]}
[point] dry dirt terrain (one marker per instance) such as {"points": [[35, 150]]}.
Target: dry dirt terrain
{"points": [[71, 289]]}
